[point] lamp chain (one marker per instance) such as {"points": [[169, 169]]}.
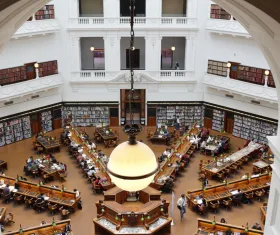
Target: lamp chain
{"points": [[131, 62]]}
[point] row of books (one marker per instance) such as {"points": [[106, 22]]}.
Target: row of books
{"points": [[249, 128], [46, 121], [86, 115], [15, 130]]}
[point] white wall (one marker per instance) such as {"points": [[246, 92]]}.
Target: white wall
{"points": [[26, 50], [206, 46], [236, 49], [139, 43]]}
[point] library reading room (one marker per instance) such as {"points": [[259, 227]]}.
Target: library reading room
{"points": [[147, 117]]}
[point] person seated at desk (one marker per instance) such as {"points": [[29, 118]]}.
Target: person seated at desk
{"points": [[84, 135], [168, 185], [185, 159], [210, 139], [203, 145], [91, 171], [81, 157], [162, 158], [61, 166], [201, 207], [91, 145], [6, 190], [33, 167], [30, 159], [53, 159], [166, 152], [77, 193], [257, 226], [97, 181]]}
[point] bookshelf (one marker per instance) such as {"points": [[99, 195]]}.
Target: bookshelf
{"points": [[47, 12], [87, 115], [218, 121], [187, 114], [217, 67], [26, 127], [244, 73], [249, 128], [48, 68], [219, 13], [2, 135], [19, 74], [12, 75], [46, 121]]}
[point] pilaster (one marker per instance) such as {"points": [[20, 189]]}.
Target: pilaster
{"points": [[153, 52], [112, 52], [75, 53], [190, 53]]}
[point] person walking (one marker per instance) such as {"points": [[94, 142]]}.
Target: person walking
{"points": [[181, 205]]}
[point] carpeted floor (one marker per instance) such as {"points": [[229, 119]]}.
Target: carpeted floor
{"points": [[16, 154]]}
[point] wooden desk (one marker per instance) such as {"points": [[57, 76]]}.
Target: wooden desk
{"points": [[158, 138], [216, 167], [2, 213], [105, 137], [48, 144], [46, 229], [32, 190], [222, 191], [75, 136], [263, 213], [3, 165], [167, 167], [206, 227], [132, 217], [48, 169]]}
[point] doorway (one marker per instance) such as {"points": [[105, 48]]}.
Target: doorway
{"points": [[30, 71], [138, 107]]}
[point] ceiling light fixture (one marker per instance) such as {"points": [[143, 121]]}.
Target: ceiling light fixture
{"points": [[132, 165]]}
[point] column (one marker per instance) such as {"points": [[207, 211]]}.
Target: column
{"points": [[112, 53], [272, 226], [191, 8], [153, 52], [75, 54], [74, 8], [153, 8], [111, 8], [190, 53]]}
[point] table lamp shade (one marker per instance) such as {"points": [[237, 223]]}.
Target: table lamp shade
{"points": [[132, 167]]}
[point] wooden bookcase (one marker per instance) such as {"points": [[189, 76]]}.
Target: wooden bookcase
{"points": [[217, 67], [47, 12], [19, 74], [243, 73], [219, 13], [48, 68]]}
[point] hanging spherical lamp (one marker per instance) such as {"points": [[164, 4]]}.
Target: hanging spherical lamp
{"points": [[132, 165]]}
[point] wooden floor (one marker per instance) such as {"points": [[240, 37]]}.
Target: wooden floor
{"points": [[16, 154]]}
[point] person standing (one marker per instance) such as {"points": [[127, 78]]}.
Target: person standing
{"points": [[177, 123], [181, 205]]}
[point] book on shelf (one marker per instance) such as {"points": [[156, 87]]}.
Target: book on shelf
{"points": [[87, 115], [46, 121]]}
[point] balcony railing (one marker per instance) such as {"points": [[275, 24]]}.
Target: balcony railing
{"points": [[101, 22], [143, 75], [241, 88], [16, 90]]}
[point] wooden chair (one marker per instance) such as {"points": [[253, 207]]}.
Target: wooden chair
{"points": [[7, 197], [245, 160], [47, 178], [259, 194], [29, 201], [62, 175], [249, 197], [214, 206], [233, 168], [221, 176], [52, 208], [18, 198], [97, 188], [34, 173], [256, 170], [9, 220], [64, 212], [227, 203], [40, 149], [202, 210]]}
